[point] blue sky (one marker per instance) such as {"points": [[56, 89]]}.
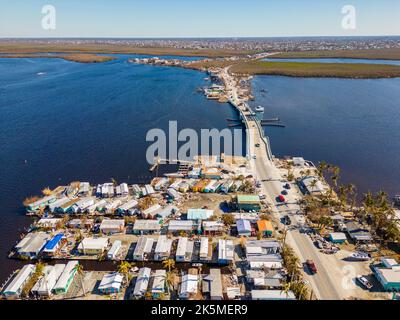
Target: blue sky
{"points": [[197, 18]]}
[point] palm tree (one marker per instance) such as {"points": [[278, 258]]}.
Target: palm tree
{"points": [[124, 268], [170, 280], [79, 269], [169, 263]]}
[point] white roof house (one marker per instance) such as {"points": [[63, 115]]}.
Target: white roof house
{"points": [[180, 225], [143, 226], [112, 226], [142, 282], [115, 248], [151, 209], [111, 283], [189, 285], [213, 285], [204, 253], [184, 249], [225, 251], [82, 204], [59, 202], [32, 244], [45, 285], [128, 205], [272, 295], [298, 161], [143, 248], [313, 184], [163, 248], [14, 289], [159, 277], [122, 189], [93, 245], [66, 277]]}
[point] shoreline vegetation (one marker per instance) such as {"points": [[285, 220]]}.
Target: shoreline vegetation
{"points": [[22, 47], [371, 54], [75, 57], [314, 69], [89, 53]]}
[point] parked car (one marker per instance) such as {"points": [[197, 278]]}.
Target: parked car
{"points": [[287, 220], [311, 266], [284, 192], [287, 186], [257, 145], [281, 198], [364, 281]]}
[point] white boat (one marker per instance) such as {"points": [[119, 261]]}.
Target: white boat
{"points": [[360, 256], [259, 109]]}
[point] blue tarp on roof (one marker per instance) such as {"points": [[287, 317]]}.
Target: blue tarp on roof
{"points": [[50, 245]]}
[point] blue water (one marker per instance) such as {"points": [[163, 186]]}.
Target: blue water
{"points": [[86, 122], [337, 60], [354, 124]]}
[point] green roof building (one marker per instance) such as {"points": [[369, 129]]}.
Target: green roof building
{"points": [[248, 202]]}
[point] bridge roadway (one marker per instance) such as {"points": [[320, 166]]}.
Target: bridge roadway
{"points": [[270, 177]]}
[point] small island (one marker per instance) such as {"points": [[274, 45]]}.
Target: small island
{"points": [[75, 57]]}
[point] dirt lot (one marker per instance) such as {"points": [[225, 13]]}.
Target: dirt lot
{"points": [[212, 201]]}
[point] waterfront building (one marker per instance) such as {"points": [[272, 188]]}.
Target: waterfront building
{"points": [[248, 202], [243, 227], [14, 289], [111, 283], [146, 226], [163, 248], [173, 193], [50, 223], [54, 244], [158, 283], [122, 190], [212, 285], [44, 286], [225, 251], [115, 248], [312, 185], [111, 226], [142, 282], [84, 189], [93, 246], [57, 203], [388, 274], [30, 246], [66, 278], [357, 233], [265, 228], [184, 250], [298, 161], [81, 205], [143, 248], [41, 203]]}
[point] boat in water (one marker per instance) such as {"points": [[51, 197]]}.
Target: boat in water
{"points": [[359, 256], [259, 109]]}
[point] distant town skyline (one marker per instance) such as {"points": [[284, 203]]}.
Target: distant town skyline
{"points": [[183, 19]]}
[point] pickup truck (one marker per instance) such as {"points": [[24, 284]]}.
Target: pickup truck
{"points": [[311, 266]]}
